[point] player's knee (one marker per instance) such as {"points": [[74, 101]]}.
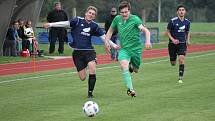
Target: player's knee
{"points": [[173, 63], [124, 64], [181, 59], [82, 78]]}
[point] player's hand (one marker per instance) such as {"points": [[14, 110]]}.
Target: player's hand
{"points": [[46, 25], [175, 41], [117, 47], [148, 45], [107, 47]]}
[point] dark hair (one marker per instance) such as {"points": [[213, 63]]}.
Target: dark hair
{"points": [[13, 23], [124, 4], [180, 6], [56, 3]]}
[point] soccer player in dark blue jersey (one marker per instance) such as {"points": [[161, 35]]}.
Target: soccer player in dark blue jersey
{"points": [[179, 37], [82, 30]]}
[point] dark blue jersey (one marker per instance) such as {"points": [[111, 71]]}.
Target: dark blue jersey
{"points": [[82, 32], [179, 29]]}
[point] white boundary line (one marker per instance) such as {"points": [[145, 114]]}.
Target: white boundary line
{"points": [[27, 78]]}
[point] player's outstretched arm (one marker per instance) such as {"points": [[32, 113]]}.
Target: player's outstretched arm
{"points": [[106, 43], [57, 24]]}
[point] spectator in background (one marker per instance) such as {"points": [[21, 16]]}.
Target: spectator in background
{"points": [[30, 39], [109, 19], [9, 47], [20, 32], [57, 33], [21, 29]]}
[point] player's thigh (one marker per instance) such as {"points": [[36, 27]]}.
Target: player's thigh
{"points": [[79, 60], [182, 49], [172, 51], [90, 59], [124, 58], [92, 67], [124, 55], [136, 59]]}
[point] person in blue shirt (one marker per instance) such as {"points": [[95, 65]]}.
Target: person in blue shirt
{"points": [[84, 55], [9, 47], [179, 37]]}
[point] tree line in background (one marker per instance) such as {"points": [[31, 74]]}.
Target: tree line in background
{"points": [[197, 10]]}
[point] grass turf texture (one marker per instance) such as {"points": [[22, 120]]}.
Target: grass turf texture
{"points": [[59, 95]]}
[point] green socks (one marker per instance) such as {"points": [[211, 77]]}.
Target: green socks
{"points": [[127, 79]]}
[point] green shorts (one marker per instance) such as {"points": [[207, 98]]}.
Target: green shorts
{"points": [[135, 57]]}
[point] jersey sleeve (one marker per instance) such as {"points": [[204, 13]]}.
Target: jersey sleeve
{"points": [[99, 31], [170, 25], [138, 21], [188, 27], [74, 22]]}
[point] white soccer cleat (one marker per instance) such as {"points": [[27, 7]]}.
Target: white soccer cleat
{"points": [[180, 81]]}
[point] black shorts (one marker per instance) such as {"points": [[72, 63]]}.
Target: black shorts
{"points": [[81, 58], [174, 50]]}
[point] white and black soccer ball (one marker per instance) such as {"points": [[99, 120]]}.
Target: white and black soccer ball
{"points": [[28, 32], [90, 108]]}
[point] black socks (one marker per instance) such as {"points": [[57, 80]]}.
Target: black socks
{"points": [[91, 82], [181, 71]]}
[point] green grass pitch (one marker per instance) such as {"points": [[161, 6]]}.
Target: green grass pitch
{"points": [[59, 95]]}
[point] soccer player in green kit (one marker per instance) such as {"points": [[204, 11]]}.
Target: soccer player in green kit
{"points": [[130, 53]]}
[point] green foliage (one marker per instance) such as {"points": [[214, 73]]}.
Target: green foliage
{"points": [[48, 5], [197, 10]]}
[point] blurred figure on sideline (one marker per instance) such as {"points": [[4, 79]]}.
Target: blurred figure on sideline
{"points": [[57, 33], [9, 47]]}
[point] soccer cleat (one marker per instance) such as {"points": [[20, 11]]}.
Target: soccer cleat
{"points": [[180, 81], [131, 93], [90, 94]]}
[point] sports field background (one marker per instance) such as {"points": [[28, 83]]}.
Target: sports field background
{"points": [[59, 95]]}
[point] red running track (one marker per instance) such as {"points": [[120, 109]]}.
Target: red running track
{"points": [[44, 65]]}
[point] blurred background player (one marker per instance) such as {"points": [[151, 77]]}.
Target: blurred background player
{"points": [[129, 27], [179, 37], [109, 19], [57, 33]]}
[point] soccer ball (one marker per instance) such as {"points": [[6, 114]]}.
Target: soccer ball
{"points": [[90, 108], [28, 32]]}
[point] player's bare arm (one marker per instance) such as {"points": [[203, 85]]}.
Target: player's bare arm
{"points": [[147, 32], [109, 34], [106, 43], [175, 41], [188, 38]]}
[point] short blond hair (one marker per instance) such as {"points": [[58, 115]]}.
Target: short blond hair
{"points": [[92, 8]]}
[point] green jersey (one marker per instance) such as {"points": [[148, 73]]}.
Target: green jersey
{"points": [[128, 32]]}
